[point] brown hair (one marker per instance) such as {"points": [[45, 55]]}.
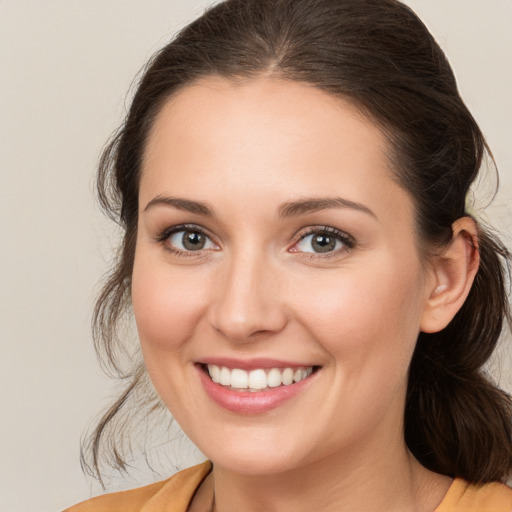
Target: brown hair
{"points": [[380, 56]]}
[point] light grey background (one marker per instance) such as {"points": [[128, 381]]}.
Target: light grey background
{"points": [[65, 69]]}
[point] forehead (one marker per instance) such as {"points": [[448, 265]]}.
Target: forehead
{"points": [[272, 112], [267, 138]]}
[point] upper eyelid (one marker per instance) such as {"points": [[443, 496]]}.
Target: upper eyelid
{"points": [[168, 231], [304, 231], [163, 236], [299, 235], [326, 229]]}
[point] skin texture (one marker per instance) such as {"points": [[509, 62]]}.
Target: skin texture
{"points": [[257, 289]]}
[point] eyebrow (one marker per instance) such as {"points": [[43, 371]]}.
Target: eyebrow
{"points": [[181, 204], [309, 205], [288, 209]]}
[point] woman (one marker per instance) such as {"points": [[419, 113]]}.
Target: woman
{"points": [[313, 301]]}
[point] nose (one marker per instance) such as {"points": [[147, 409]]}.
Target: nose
{"points": [[248, 301]]}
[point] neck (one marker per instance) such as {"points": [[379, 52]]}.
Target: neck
{"points": [[375, 472], [389, 479]]}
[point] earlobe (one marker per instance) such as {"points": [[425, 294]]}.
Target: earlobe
{"points": [[453, 272]]}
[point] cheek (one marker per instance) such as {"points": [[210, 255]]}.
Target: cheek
{"points": [[167, 306], [365, 316]]}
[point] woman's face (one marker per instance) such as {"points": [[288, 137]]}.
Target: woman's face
{"points": [[273, 244]]}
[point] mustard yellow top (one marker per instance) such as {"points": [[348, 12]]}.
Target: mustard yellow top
{"points": [[175, 494]]}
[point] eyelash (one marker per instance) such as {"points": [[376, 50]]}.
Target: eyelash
{"points": [[347, 240], [163, 238]]}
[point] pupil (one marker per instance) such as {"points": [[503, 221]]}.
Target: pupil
{"points": [[323, 243], [193, 241]]}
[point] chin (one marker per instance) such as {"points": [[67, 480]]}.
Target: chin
{"points": [[252, 458]]}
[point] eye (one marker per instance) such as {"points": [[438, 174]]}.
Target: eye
{"points": [[182, 239], [323, 240]]}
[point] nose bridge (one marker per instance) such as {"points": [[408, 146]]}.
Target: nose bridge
{"points": [[248, 300]]}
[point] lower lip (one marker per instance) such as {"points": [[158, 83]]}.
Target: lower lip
{"points": [[250, 402]]}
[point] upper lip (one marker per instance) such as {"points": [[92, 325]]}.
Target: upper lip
{"points": [[252, 364]]}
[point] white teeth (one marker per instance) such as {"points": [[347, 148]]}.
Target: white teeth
{"points": [[239, 379], [214, 373], [274, 378], [257, 379], [287, 376], [225, 377]]}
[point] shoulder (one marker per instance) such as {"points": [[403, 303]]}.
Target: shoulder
{"points": [[171, 495], [465, 497]]}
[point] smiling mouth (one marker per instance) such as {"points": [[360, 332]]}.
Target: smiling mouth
{"points": [[257, 380]]}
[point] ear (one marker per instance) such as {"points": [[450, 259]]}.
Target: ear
{"points": [[452, 275]]}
